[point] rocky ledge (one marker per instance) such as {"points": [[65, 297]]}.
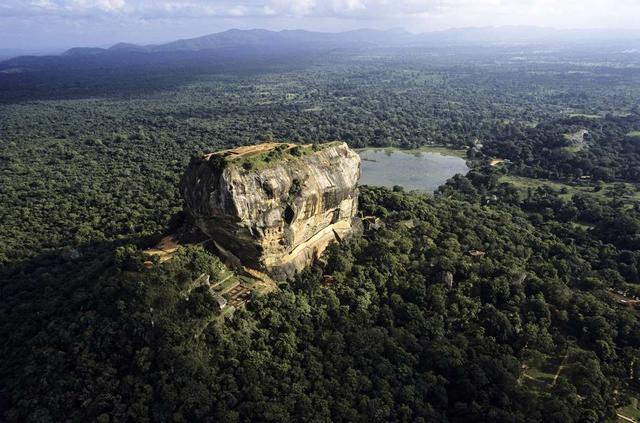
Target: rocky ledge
{"points": [[274, 207]]}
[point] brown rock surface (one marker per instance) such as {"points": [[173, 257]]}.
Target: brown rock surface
{"points": [[275, 207]]}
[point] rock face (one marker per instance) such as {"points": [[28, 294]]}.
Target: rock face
{"points": [[274, 207]]}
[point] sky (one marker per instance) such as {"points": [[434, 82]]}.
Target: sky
{"points": [[59, 24]]}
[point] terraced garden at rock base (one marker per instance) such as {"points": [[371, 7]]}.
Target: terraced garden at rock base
{"points": [[235, 286]]}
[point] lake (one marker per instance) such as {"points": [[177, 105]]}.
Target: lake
{"points": [[413, 170]]}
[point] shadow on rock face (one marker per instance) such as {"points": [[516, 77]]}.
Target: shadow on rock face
{"points": [[275, 206]]}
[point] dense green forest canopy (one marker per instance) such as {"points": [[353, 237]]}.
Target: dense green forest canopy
{"points": [[75, 171], [506, 296], [391, 337]]}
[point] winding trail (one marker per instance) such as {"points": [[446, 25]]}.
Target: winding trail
{"points": [[629, 419], [560, 367]]}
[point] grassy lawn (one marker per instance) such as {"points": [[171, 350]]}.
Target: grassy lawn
{"points": [[581, 226], [541, 377], [630, 411], [267, 154], [525, 183], [632, 195], [585, 115], [226, 285], [247, 281], [540, 374], [575, 148]]}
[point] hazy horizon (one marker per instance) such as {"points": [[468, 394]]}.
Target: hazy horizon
{"points": [[61, 24]]}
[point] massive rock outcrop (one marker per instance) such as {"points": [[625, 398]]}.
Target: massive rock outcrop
{"points": [[274, 207]]}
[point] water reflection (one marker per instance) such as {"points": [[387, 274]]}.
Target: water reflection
{"points": [[413, 170]]}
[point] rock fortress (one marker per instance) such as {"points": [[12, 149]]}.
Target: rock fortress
{"points": [[274, 207]]}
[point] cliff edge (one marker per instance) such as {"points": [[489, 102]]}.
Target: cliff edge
{"points": [[274, 207]]}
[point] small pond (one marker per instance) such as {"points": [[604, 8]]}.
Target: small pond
{"points": [[412, 170]]}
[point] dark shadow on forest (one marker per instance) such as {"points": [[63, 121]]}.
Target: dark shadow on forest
{"points": [[126, 74], [56, 268]]}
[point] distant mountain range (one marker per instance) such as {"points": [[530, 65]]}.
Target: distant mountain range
{"points": [[232, 45], [7, 53], [129, 69], [262, 38], [369, 38]]}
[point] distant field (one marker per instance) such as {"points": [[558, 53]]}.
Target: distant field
{"points": [[585, 115], [631, 193], [524, 183]]}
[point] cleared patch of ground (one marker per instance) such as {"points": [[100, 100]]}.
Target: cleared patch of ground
{"points": [[256, 157], [630, 412], [577, 137], [543, 375], [605, 191], [165, 249], [623, 299], [575, 148], [168, 245], [586, 115], [237, 152], [577, 141]]}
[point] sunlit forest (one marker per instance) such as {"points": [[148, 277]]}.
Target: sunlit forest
{"points": [[511, 294]]}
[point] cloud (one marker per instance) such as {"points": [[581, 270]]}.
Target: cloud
{"points": [[578, 11], [204, 8], [353, 8], [59, 7], [103, 22], [145, 9]]}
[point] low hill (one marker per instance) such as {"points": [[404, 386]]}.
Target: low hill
{"points": [[300, 40]]}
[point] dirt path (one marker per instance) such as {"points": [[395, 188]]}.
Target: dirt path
{"points": [[562, 366], [626, 418]]}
